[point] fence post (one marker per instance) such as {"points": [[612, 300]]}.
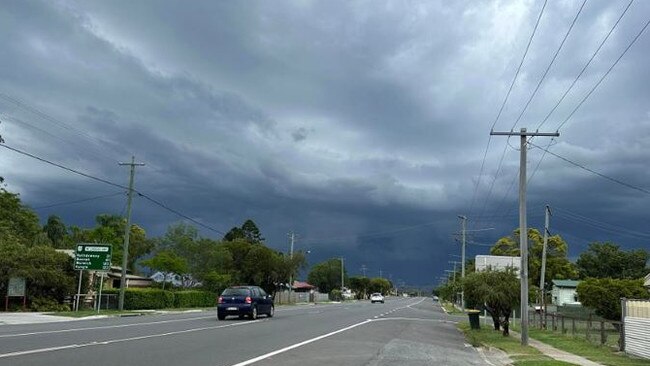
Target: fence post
{"points": [[589, 328], [553, 328], [562, 324], [602, 333], [573, 326], [621, 338]]}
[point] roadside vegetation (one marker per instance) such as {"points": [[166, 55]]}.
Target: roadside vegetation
{"points": [[520, 355]]}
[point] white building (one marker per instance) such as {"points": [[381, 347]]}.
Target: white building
{"points": [[497, 262], [564, 292]]}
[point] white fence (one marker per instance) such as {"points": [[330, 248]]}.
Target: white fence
{"points": [[636, 325]]}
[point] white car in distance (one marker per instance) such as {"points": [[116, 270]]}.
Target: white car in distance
{"points": [[376, 297]]}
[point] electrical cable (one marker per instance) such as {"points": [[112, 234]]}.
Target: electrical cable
{"points": [[617, 181], [115, 185], [78, 201], [505, 101]]}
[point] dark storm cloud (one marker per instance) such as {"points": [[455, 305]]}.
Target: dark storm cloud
{"points": [[344, 121]]}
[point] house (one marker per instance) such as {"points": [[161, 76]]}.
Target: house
{"points": [[299, 286], [646, 281], [497, 262], [114, 276], [564, 292]]}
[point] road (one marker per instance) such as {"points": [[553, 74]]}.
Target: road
{"points": [[412, 331]]}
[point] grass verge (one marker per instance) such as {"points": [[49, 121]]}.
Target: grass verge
{"points": [[87, 313], [602, 354], [520, 355], [450, 308]]}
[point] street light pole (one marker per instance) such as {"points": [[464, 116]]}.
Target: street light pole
{"points": [[464, 228]]}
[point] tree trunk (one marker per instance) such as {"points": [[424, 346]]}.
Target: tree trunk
{"points": [[506, 324], [495, 317], [164, 280]]}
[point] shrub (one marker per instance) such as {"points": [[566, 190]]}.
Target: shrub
{"points": [[44, 304], [146, 298], [194, 298], [335, 295]]}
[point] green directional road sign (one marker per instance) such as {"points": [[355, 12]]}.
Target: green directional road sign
{"points": [[95, 257]]}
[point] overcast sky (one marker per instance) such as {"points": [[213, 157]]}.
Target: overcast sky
{"points": [[360, 125]]}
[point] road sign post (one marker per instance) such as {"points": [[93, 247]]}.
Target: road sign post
{"points": [[93, 257]]}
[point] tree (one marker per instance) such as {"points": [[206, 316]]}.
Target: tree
{"points": [[110, 230], [55, 230], [17, 222], [380, 285], [604, 294], [327, 275], [48, 274], [360, 285], [248, 231], [607, 260], [497, 291], [166, 262], [557, 264]]}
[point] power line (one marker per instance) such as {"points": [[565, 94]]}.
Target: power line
{"points": [[617, 181], [604, 75], [557, 52], [530, 99], [115, 185], [505, 101], [607, 226], [79, 200], [64, 167], [61, 124], [593, 56]]}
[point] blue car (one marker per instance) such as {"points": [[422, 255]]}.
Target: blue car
{"points": [[244, 301]]}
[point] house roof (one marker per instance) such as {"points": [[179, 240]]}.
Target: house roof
{"points": [[646, 282], [566, 283], [302, 285]]}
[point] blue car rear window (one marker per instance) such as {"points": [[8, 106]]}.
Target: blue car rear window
{"points": [[236, 292]]}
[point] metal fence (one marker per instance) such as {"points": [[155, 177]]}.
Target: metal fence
{"points": [[636, 320], [591, 328]]}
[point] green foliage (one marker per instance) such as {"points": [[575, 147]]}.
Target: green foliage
{"points": [[557, 265], [149, 298], [380, 285], [146, 298], [18, 223], [166, 262], [56, 231], [194, 299], [607, 260], [327, 275], [335, 295], [110, 230], [498, 291], [48, 274], [359, 285], [604, 294], [45, 304], [248, 232]]}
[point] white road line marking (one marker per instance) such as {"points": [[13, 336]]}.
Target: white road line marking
{"points": [[285, 349], [103, 327], [420, 319], [90, 344]]}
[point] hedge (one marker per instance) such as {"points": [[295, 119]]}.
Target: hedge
{"points": [[194, 298], [151, 298]]}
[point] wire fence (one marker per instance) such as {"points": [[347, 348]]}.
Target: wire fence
{"points": [[594, 329]]}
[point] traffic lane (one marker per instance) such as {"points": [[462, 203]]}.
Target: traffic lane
{"points": [[217, 346], [20, 342], [384, 341]]}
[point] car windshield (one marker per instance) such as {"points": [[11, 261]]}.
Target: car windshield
{"points": [[376, 294], [236, 292]]}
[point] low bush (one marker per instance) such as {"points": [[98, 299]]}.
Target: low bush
{"points": [[45, 304], [194, 298], [335, 295]]}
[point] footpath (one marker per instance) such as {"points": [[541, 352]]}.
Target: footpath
{"points": [[557, 354]]}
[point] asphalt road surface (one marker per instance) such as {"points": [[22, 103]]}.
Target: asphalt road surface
{"points": [[413, 331]]}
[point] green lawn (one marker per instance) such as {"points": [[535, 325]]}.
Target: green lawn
{"points": [[86, 313], [520, 355], [580, 346]]}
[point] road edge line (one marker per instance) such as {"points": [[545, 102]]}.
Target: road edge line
{"points": [[300, 344]]}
